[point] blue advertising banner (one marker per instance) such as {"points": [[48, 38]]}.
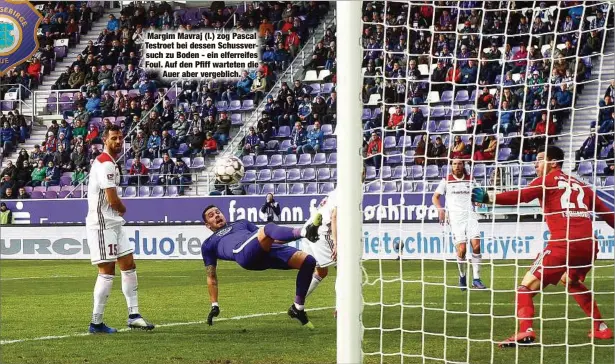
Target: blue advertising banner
{"points": [[295, 209], [19, 22]]}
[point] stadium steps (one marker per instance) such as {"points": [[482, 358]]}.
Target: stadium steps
{"points": [[588, 102], [294, 70]]}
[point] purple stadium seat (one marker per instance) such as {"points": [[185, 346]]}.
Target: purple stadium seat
{"points": [[252, 190], [385, 172], [222, 106], [609, 181], [373, 187], [480, 171], [279, 175], [416, 172], [236, 120], [172, 191], [334, 174], [249, 176], [394, 160], [146, 162], [264, 175], [297, 189], [432, 171], [272, 146], [235, 105], [332, 159], [399, 172], [327, 88], [390, 142], [324, 174], [389, 187], [311, 188], [309, 174], [157, 191], [600, 167], [183, 147], [370, 173], [504, 154], [156, 163], [198, 164], [447, 96], [444, 126], [305, 159], [60, 51], [144, 191], [407, 186], [585, 168], [319, 159], [473, 96], [405, 141], [285, 145], [437, 112], [327, 188], [431, 126], [37, 195], [293, 174], [281, 189], [330, 144], [276, 161], [367, 114], [63, 194], [77, 194], [65, 181], [462, 96], [53, 188], [315, 88], [290, 160], [327, 129], [283, 132], [41, 189], [51, 194], [605, 151], [247, 105], [248, 161], [130, 191], [528, 171], [261, 161], [268, 188], [51, 105]]}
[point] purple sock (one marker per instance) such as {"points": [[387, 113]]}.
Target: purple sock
{"points": [[282, 233], [304, 278]]}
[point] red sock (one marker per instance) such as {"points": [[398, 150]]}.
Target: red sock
{"points": [[585, 300], [525, 308]]}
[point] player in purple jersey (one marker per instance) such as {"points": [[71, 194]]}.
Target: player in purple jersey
{"points": [[255, 248]]}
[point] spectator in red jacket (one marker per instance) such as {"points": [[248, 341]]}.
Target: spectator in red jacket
{"points": [[210, 146], [374, 151], [138, 173]]}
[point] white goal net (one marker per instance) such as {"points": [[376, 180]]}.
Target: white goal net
{"points": [[487, 82]]}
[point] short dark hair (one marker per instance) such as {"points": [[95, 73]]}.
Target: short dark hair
{"points": [[207, 209], [110, 129], [553, 153]]}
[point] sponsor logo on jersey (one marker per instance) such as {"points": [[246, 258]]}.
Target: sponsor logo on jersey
{"points": [[224, 231], [111, 176]]}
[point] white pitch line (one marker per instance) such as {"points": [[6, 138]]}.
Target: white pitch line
{"points": [[24, 278], [170, 324]]}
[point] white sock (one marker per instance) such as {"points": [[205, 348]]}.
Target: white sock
{"points": [[315, 281], [461, 264], [299, 307], [476, 262], [129, 287], [102, 289], [603, 326]]}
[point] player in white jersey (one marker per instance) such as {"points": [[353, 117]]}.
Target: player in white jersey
{"points": [[462, 219], [106, 238]]}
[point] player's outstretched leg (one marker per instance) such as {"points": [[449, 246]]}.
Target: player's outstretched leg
{"points": [[306, 264], [525, 314], [317, 277], [102, 289], [587, 303], [130, 287], [286, 234]]}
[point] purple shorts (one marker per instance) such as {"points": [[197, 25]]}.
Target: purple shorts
{"points": [[253, 257]]}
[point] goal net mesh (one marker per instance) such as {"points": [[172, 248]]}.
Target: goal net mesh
{"points": [[488, 82]]}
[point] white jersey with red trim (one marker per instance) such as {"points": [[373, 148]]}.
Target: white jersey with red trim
{"points": [[458, 192], [104, 174]]}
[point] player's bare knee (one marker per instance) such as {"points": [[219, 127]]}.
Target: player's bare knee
{"points": [[461, 250], [127, 262], [476, 246], [106, 268], [322, 272], [264, 241]]}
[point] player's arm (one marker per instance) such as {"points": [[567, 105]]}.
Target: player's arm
{"points": [[107, 182], [435, 199], [603, 212], [114, 200], [524, 195]]}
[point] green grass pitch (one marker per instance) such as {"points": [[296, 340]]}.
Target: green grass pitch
{"points": [[54, 298]]}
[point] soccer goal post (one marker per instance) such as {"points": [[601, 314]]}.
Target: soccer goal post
{"points": [[350, 190]]}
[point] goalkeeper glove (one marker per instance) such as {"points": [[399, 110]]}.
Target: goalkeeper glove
{"points": [[215, 311], [480, 195]]}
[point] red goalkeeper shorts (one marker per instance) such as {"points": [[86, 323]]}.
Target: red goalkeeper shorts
{"points": [[551, 264]]}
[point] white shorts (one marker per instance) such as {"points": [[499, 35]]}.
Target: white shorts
{"points": [[106, 245], [464, 230], [320, 250]]}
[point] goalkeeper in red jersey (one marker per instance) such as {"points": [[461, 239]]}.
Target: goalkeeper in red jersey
{"points": [[571, 250]]}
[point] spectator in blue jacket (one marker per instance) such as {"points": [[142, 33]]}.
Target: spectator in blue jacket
{"points": [[93, 104], [113, 24], [65, 129], [564, 96], [298, 138], [251, 143], [506, 120], [153, 145], [244, 84], [469, 72], [52, 175], [6, 139], [304, 112], [315, 140]]}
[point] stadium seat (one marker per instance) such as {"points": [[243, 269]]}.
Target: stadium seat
{"points": [[462, 96], [319, 159], [373, 187], [261, 161], [297, 189], [172, 191], [324, 174], [327, 88], [272, 146], [198, 164], [504, 154], [444, 126], [416, 172], [367, 114], [293, 174], [327, 129], [315, 89], [600, 166], [156, 163], [251, 190], [370, 173], [405, 141], [528, 171], [305, 159], [285, 145], [290, 160], [235, 105], [311, 76], [247, 105], [332, 159], [431, 172], [309, 174], [447, 97], [609, 181], [311, 188], [222, 106], [279, 175], [264, 175], [330, 144], [144, 191], [393, 160], [157, 191], [65, 181], [248, 161], [399, 172], [406, 186], [389, 142], [276, 161], [585, 168], [249, 177], [236, 120], [271, 188], [326, 188], [37, 195], [64, 194], [385, 173], [130, 191], [389, 187], [479, 171]]}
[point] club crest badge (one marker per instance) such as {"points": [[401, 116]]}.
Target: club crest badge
{"points": [[19, 22]]}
